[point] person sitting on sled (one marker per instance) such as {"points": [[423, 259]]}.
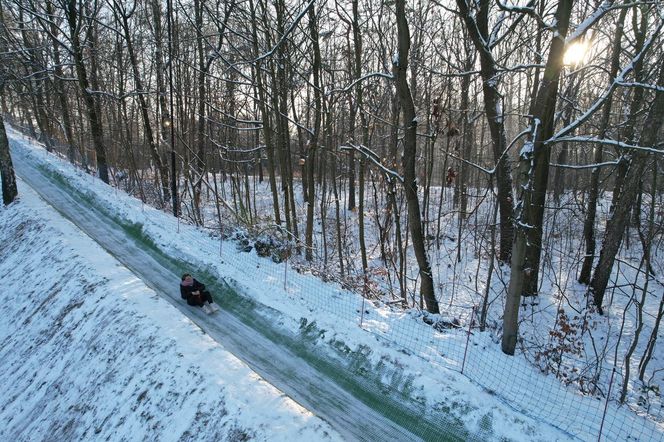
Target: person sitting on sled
{"points": [[194, 292]]}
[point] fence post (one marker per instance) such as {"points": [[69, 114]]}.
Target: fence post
{"points": [[221, 243], [606, 404], [465, 352], [364, 299], [286, 273]]}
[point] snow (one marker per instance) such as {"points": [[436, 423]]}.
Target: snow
{"points": [[499, 112], [587, 24], [90, 367], [601, 99], [527, 149], [92, 353]]}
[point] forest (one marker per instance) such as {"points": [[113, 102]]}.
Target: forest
{"points": [[490, 164]]}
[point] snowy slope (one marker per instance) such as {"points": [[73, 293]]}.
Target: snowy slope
{"points": [[321, 319], [90, 353]]}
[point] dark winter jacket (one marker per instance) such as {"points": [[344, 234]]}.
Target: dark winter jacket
{"points": [[186, 291]]}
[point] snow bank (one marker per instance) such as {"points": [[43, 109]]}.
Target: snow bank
{"points": [[90, 353]]}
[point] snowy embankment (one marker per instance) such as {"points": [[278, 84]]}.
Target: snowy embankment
{"points": [[89, 352], [395, 352], [448, 406]]}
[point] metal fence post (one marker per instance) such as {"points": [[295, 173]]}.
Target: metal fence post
{"points": [[286, 273], [364, 299], [606, 404], [465, 352]]}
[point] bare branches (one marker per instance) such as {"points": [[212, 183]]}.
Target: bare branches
{"points": [[360, 80], [654, 37], [375, 159]]}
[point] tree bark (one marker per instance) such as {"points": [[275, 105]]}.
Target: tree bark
{"points": [[534, 173], [593, 192], [400, 66], [615, 226], [75, 22], [313, 142], [59, 86], [123, 17], [478, 29], [9, 190], [268, 131], [357, 41], [200, 162], [637, 101], [34, 80]]}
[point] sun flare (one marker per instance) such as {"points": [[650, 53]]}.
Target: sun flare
{"points": [[576, 53]]}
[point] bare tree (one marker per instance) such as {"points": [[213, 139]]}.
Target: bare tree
{"points": [[533, 177], [9, 190], [315, 136], [81, 29], [400, 68], [267, 121], [477, 25], [123, 15], [593, 192], [615, 227]]}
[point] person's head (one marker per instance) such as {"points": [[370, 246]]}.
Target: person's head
{"points": [[187, 277]]}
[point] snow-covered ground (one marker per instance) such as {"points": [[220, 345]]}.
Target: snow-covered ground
{"points": [[90, 353], [88, 366]]}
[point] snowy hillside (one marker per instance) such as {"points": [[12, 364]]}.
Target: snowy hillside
{"points": [[106, 357], [91, 353]]}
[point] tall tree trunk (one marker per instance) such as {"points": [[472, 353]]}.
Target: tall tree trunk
{"points": [[652, 341], [400, 66], [201, 140], [393, 205], [59, 83], [75, 22], [123, 16], [280, 106], [534, 173], [160, 70], [337, 215], [34, 80], [357, 71], [593, 192], [313, 142], [615, 226], [268, 131], [466, 139], [478, 28], [627, 361], [205, 60], [637, 101], [9, 190]]}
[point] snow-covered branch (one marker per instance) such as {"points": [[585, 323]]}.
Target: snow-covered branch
{"points": [[492, 171], [608, 91], [526, 10], [362, 78], [589, 22], [471, 164], [652, 87], [288, 31], [609, 142], [374, 157], [586, 166]]}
